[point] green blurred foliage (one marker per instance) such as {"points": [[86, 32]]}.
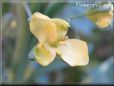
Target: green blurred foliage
{"points": [[17, 67]]}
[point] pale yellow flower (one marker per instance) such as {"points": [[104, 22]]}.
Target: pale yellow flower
{"points": [[102, 18], [51, 33]]}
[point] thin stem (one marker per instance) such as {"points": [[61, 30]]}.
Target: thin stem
{"points": [[84, 14], [28, 12], [74, 17], [27, 9]]}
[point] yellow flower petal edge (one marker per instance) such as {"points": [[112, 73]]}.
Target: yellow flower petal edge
{"points": [[62, 28], [74, 52], [43, 54], [43, 28]]}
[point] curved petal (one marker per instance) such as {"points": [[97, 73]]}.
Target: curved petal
{"points": [[62, 28], [102, 18], [74, 52], [43, 28], [43, 54]]}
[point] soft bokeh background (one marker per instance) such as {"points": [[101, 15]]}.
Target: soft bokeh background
{"points": [[17, 41]]}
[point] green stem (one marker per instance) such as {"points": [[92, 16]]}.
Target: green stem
{"points": [[90, 11], [74, 17], [22, 42]]}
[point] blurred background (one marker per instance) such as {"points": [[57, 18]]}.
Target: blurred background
{"points": [[17, 42]]}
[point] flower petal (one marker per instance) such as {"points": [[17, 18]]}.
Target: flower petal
{"points": [[43, 28], [103, 17], [62, 28], [74, 52], [43, 54]]}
